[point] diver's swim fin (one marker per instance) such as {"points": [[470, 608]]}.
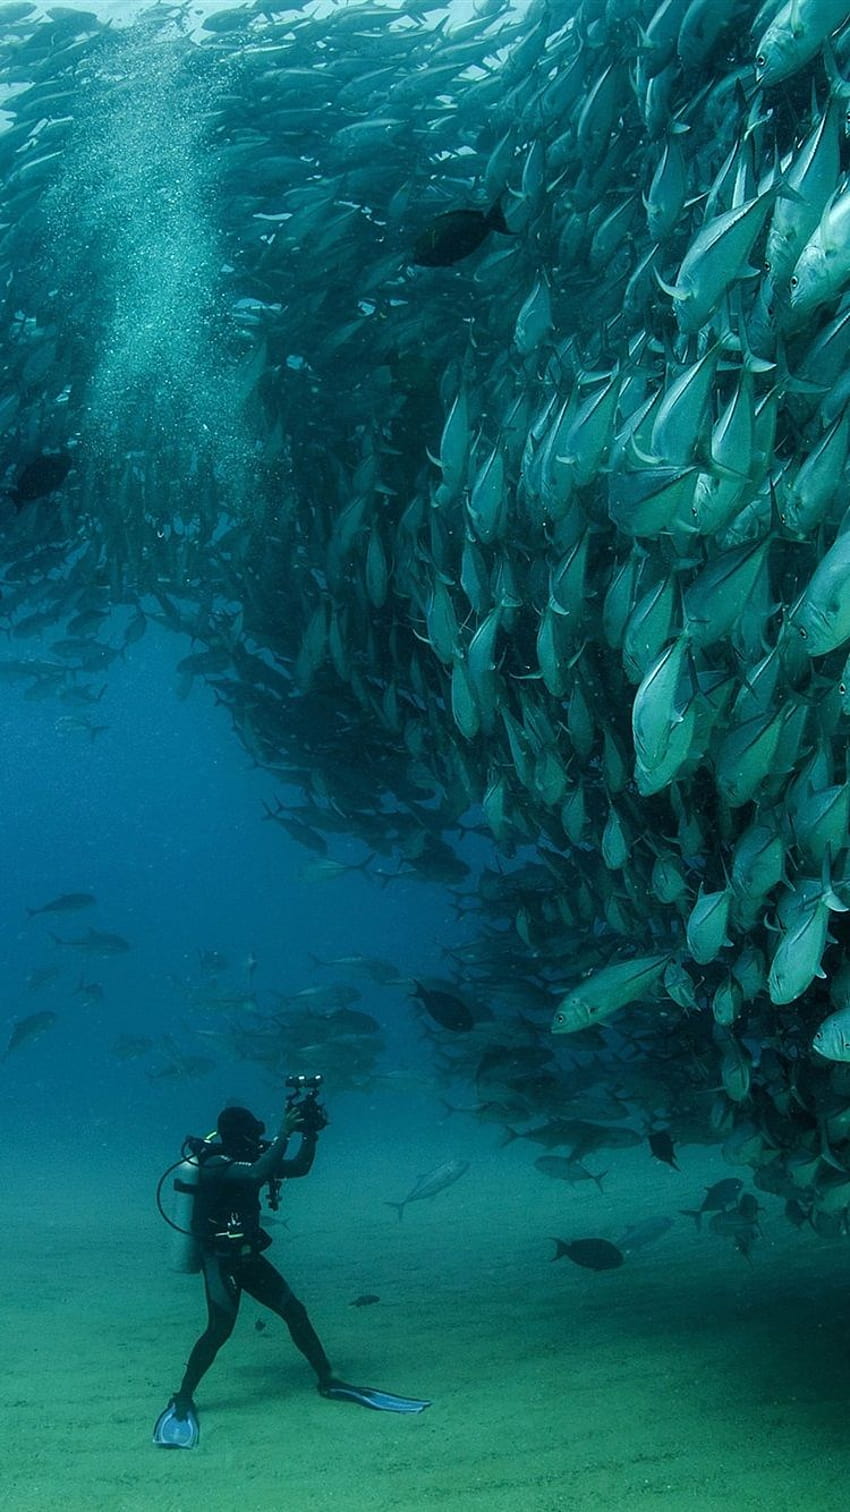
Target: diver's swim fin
{"points": [[176, 1432], [369, 1396]]}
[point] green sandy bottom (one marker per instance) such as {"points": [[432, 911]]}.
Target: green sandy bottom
{"points": [[688, 1378]]}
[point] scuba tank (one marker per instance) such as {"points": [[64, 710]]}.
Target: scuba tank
{"points": [[185, 1248]]}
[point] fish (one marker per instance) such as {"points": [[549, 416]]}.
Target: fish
{"points": [[330, 995], [607, 991], [592, 1254], [41, 976], [718, 1198], [832, 1037], [368, 1299], [326, 869], [431, 1183], [445, 1008], [65, 903], [661, 1145], [639, 1235], [96, 942], [740, 1224], [40, 477], [379, 970], [27, 1030], [456, 234], [563, 1168]]}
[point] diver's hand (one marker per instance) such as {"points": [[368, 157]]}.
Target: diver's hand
{"points": [[293, 1119]]}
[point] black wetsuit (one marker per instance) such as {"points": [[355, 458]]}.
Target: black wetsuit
{"points": [[226, 1223]]}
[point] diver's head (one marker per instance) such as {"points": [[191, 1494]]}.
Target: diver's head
{"points": [[240, 1133]]}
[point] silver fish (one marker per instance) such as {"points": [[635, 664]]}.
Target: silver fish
{"points": [[431, 1183]]}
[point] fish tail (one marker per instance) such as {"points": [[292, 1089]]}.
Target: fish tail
{"points": [[560, 1247], [599, 1179], [695, 1213], [399, 1207]]}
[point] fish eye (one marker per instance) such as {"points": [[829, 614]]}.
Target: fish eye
{"points": [[761, 60], [793, 281], [804, 634], [842, 688]]}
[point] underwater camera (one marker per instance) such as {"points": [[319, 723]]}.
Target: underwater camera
{"points": [[304, 1095]]}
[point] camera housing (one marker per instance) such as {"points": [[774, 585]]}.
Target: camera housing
{"points": [[304, 1095]]}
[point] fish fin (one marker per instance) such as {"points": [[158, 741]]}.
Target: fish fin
{"points": [[665, 288], [695, 1213]]}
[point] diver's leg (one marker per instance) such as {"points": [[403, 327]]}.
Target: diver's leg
{"points": [[222, 1292], [265, 1284]]}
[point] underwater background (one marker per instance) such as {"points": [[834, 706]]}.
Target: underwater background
{"points": [[424, 592]]}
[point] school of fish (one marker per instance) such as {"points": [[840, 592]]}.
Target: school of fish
{"points": [[475, 395]]}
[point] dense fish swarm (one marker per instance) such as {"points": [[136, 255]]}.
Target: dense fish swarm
{"points": [[551, 534]]}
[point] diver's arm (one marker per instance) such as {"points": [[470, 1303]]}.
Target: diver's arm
{"points": [[303, 1161]]}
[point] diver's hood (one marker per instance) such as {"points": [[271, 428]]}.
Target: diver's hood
{"points": [[239, 1131]]}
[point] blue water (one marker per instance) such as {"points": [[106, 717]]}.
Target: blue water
{"points": [[161, 816]]}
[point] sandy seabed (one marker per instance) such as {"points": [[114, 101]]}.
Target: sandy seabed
{"points": [[686, 1379]]}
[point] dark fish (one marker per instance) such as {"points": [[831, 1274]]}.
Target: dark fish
{"points": [[563, 1168], [455, 235], [717, 1199], [447, 1010], [433, 1182], [41, 476], [25, 1030], [661, 1146], [366, 1300], [582, 1137], [593, 1254], [67, 903], [96, 942]]}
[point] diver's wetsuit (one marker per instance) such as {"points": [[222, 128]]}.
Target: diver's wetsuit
{"points": [[228, 1204]]}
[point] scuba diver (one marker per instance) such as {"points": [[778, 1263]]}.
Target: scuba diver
{"points": [[228, 1242]]}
